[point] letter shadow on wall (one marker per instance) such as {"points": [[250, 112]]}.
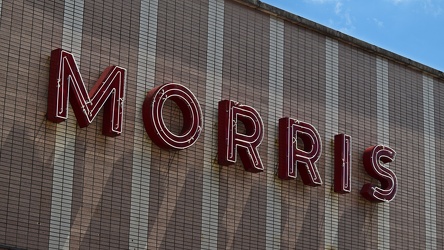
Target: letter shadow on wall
{"points": [[350, 229]]}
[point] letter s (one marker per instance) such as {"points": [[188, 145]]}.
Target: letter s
{"points": [[375, 158]]}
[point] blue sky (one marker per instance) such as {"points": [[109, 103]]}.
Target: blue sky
{"points": [[411, 28]]}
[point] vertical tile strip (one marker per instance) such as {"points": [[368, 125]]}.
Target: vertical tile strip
{"points": [[275, 106], [146, 61], [213, 93], [331, 129], [429, 154], [382, 110], [62, 180]]}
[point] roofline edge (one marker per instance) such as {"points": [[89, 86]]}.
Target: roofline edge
{"points": [[319, 28]]}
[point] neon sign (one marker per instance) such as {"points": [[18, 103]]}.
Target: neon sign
{"points": [[290, 155], [342, 164], [65, 82], [153, 116], [300, 145], [230, 140]]}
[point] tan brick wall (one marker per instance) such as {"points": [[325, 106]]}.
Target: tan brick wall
{"points": [[357, 118], [101, 210], [28, 31], [407, 220], [242, 199], [176, 176], [304, 82], [439, 143]]}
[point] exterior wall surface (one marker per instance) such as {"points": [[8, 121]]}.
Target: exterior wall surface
{"points": [[66, 187]]}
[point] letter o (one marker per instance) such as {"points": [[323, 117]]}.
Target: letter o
{"points": [[152, 112]]}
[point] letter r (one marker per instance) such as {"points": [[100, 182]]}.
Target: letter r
{"points": [[305, 158]]}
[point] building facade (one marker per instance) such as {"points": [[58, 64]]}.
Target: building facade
{"points": [[67, 187]]}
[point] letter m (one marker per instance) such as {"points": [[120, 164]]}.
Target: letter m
{"points": [[65, 82]]}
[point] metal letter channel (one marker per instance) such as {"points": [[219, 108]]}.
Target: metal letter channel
{"points": [[291, 156], [108, 92], [153, 116], [375, 158], [342, 183], [230, 140]]}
